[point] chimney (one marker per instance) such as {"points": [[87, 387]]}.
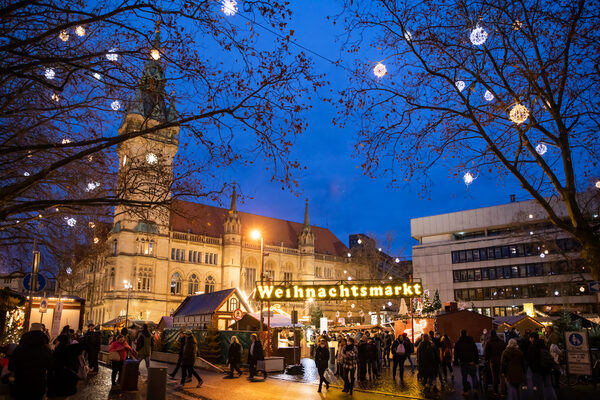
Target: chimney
{"points": [[512, 198]]}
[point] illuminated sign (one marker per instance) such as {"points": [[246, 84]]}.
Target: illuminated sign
{"points": [[338, 292]]}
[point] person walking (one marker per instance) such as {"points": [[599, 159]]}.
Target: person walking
{"points": [[372, 359], [555, 374], [255, 354], [389, 339], [62, 377], [350, 363], [180, 355], [492, 356], [322, 363], [427, 363], [118, 351], [362, 357], [512, 368], [400, 350], [143, 345], [339, 357], [234, 356], [30, 363], [446, 347], [540, 362], [92, 340], [190, 350], [467, 356]]}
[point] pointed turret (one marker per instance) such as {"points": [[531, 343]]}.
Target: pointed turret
{"points": [[233, 207], [306, 238], [232, 222]]}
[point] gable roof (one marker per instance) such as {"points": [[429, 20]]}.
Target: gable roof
{"points": [[207, 220], [511, 320], [200, 304]]}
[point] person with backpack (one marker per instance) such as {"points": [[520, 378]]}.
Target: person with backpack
{"points": [[401, 349], [143, 345], [540, 363], [467, 356]]}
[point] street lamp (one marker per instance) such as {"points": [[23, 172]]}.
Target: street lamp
{"points": [[128, 286], [256, 234]]}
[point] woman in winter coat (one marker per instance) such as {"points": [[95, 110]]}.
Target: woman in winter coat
{"points": [[427, 360], [350, 363], [188, 359], [120, 346], [555, 374], [512, 367], [339, 358], [234, 356], [322, 362], [446, 347]]}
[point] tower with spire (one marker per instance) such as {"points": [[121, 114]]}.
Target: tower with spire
{"points": [[306, 245], [232, 242]]}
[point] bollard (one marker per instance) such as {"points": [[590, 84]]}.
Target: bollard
{"points": [[129, 375], [157, 383]]}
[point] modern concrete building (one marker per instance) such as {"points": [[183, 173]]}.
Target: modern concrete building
{"points": [[501, 260]]}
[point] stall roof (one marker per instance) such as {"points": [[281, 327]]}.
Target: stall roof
{"points": [[355, 328], [208, 303], [513, 320]]}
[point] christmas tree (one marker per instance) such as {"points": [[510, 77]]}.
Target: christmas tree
{"points": [[437, 304], [210, 347], [315, 316], [427, 306]]}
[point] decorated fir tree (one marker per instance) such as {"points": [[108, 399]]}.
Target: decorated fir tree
{"points": [[315, 316], [210, 347], [436, 304]]}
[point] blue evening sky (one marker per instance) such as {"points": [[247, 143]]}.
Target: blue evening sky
{"points": [[340, 197]]}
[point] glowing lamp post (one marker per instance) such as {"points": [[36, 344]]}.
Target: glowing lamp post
{"points": [[256, 235], [128, 286]]}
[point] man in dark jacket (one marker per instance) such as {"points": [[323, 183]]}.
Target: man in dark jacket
{"points": [[540, 362], [30, 363], [372, 359], [401, 348], [492, 355], [234, 356], [362, 358], [466, 354], [92, 341], [322, 363], [389, 339], [181, 346], [255, 354]]}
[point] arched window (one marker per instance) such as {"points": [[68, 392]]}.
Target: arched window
{"points": [[176, 283], [193, 284], [209, 284], [144, 279], [249, 274], [115, 247], [233, 304], [112, 278]]}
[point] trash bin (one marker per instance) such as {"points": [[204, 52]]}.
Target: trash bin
{"points": [[129, 375], [157, 383]]}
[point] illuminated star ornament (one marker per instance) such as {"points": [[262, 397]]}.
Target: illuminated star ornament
{"points": [[49, 74], [63, 35], [115, 105], [460, 85], [468, 178], [71, 221], [80, 31], [380, 70], [229, 7], [111, 55], [151, 158], [488, 96], [478, 36], [155, 54], [541, 149], [91, 186], [519, 114]]}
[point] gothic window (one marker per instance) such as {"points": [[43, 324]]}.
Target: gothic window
{"points": [[193, 284], [209, 284], [287, 277], [190, 256], [115, 247], [112, 278], [194, 256], [233, 304], [172, 253], [205, 258], [150, 248], [144, 279], [249, 274], [176, 283], [215, 259]]}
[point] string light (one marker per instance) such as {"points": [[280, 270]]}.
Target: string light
{"points": [[597, 184], [63, 35], [541, 149], [115, 105], [96, 240], [65, 141], [460, 85], [519, 114], [111, 55], [542, 255], [397, 260], [488, 96], [478, 36], [55, 97], [517, 25], [69, 270], [151, 158], [92, 186], [71, 221], [49, 73], [91, 224], [229, 7], [380, 70], [155, 54], [80, 31], [389, 303], [25, 173]]}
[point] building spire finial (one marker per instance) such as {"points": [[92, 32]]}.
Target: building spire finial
{"points": [[233, 207], [306, 220]]}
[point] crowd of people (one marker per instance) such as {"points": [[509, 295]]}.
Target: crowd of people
{"points": [[504, 362]]}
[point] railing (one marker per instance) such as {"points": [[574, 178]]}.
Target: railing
{"points": [[190, 237]]}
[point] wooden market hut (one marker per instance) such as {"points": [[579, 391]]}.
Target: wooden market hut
{"points": [[521, 323], [453, 322]]}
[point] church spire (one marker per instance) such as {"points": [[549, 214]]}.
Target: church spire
{"points": [[233, 207], [306, 221]]}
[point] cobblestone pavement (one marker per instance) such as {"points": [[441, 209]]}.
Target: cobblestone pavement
{"points": [[287, 387]]}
